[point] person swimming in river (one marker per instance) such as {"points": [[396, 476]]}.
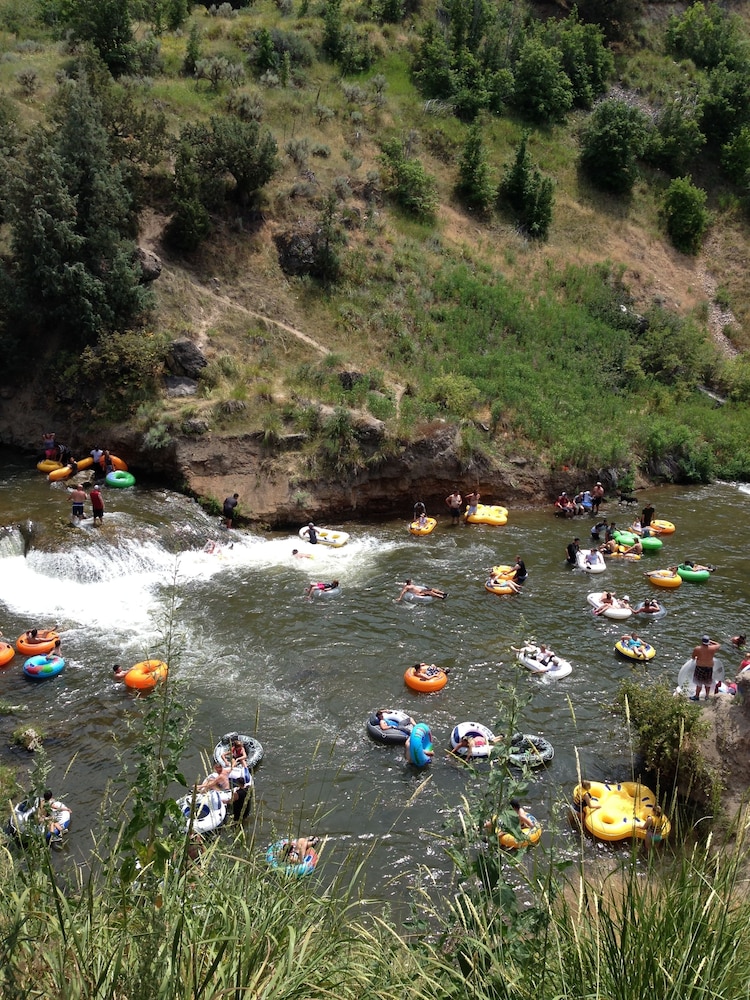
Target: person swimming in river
{"points": [[419, 591], [321, 588]]}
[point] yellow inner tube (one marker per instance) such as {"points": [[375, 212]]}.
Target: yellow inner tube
{"points": [[623, 808], [527, 837]]}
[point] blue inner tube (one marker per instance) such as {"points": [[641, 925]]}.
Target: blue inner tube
{"points": [[41, 668], [420, 741], [120, 479], [275, 858]]}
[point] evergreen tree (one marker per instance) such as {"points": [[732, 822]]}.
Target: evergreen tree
{"points": [[51, 288], [474, 185], [333, 29], [192, 51], [73, 263], [107, 24], [528, 193]]}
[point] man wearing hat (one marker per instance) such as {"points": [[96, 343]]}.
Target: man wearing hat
{"points": [[703, 674]]}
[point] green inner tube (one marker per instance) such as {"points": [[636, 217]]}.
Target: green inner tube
{"points": [[624, 537], [120, 479], [696, 576], [650, 543]]}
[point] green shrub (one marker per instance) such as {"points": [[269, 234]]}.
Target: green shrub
{"points": [[407, 181], [676, 138], [542, 90], [455, 394], [667, 732], [709, 36], [735, 156], [686, 214], [124, 369], [613, 139]]}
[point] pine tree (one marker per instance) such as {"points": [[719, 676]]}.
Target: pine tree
{"points": [[474, 185]]}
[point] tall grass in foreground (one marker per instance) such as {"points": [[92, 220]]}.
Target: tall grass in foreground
{"points": [[148, 919]]}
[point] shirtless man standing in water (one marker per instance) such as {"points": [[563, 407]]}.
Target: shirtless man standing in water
{"points": [[704, 666], [454, 502]]}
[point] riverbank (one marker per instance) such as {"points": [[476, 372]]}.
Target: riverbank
{"points": [[277, 489]]}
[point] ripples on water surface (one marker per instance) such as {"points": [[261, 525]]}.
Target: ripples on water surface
{"points": [[311, 672]]}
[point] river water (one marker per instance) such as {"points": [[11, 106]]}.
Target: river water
{"points": [[303, 676]]}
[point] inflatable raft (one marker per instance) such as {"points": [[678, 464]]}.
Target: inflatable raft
{"points": [[326, 536], [685, 683], [641, 651], [399, 727], [44, 642], [663, 578], [615, 611], [204, 814], [540, 662], [482, 739], [223, 753], [42, 668], [590, 561], [435, 682], [420, 745], [693, 575], [485, 514], [530, 751], [277, 858], [144, 676], [423, 529], [621, 811]]}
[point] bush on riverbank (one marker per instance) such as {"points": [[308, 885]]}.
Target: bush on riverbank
{"points": [[667, 732]]}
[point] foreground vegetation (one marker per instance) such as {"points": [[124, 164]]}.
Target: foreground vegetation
{"points": [[453, 208], [146, 918]]}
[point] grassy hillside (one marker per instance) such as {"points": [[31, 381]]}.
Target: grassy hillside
{"points": [[452, 314]]}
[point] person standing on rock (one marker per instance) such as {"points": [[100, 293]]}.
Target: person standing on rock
{"points": [[229, 507], [703, 674]]}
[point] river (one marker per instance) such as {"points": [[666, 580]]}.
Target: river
{"points": [[303, 676]]}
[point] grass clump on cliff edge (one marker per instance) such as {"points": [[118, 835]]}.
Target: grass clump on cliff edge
{"points": [[668, 732]]}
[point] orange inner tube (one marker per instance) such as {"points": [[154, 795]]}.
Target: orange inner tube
{"points": [[46, 639], [146, 675], [434, 683], [6, 653]]}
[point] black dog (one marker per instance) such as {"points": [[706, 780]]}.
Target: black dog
{"points": [[628, 499]]}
